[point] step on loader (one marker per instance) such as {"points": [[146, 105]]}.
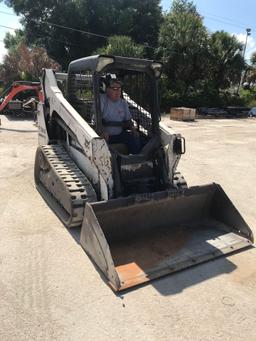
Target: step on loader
{"points": [[139, 220]]}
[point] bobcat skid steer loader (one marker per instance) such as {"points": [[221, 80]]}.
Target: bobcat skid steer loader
{"points": [[139, 220]]}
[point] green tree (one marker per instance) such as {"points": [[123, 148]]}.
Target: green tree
{"points": [[225, 60], [122, 46], [44, 23], [251, 71], [11, 41], [183, 47], [253, 59]]}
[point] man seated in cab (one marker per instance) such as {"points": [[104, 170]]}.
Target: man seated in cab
{"points": [[117, 122]]}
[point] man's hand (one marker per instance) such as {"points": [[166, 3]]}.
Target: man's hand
{"points": [[128, 125]]}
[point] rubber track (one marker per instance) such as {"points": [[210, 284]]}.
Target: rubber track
{"points": [[62, 184]]}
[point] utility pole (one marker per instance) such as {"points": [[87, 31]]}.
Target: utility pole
{"points": [[248, 33]]}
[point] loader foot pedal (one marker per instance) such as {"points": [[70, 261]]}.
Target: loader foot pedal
{"points": [[62, 184]]}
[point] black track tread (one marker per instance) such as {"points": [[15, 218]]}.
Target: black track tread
{"points": [[76, 185]]}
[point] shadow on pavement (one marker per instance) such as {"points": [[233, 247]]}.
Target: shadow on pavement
{"points": [[177, 282], [25, 117], [186, 278]]}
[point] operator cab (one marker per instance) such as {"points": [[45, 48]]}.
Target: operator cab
{"points": [[86, 83]]}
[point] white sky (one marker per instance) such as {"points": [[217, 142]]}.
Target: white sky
{"points": [[9, 21]]}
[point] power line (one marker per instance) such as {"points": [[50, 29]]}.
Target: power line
{"points": [[49, 37], [104, 36], [100, 35], [10, 28], [59, 26], [70, 44], [208, 15], [72, 29], [225, 20], [9, 13]]}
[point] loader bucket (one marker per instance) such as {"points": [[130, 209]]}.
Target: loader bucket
{"points": [[138, 238]]}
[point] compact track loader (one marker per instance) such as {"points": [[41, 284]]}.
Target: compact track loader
{"points": [[139, 219]]}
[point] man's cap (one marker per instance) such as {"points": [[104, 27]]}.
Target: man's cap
{"points": [[111, 79]]}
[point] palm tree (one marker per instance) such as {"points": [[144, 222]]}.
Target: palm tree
{"points": [[182, 46], [225, 60]]}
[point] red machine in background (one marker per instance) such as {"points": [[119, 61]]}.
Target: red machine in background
{"points": [[20, 98]]}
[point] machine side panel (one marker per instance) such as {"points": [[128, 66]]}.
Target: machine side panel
{"points": [[94, 147]]}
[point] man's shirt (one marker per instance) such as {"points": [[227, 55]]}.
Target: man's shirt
{"points": [[114, 111]]}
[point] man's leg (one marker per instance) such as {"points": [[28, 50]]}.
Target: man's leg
{"points": [[132, 142], [115, 139]]}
